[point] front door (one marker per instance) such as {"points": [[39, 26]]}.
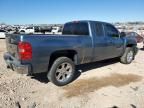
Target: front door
{"points": [[114, 42]]}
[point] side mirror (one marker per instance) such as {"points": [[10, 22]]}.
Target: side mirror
{"points": [[122, 34]]}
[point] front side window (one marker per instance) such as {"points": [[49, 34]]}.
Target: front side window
{"points": [[76, 28], [111, 31]]}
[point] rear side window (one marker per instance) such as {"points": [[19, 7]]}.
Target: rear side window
{"points": [[111, 31], [76, 28], [99, 29]]}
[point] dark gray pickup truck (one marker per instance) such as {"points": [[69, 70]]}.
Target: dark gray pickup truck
{"points": [[81, 42]]}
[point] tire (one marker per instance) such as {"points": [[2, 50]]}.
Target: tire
{"points": [[128, 56], [62, 71]]}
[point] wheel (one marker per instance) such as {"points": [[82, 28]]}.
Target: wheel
{"points": [[62, 71], [128, 56]]}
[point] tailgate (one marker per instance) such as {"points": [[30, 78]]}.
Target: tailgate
{"points": [[11, 44]]}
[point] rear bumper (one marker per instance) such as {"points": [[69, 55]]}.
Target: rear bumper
{"points": [[15, 65]]}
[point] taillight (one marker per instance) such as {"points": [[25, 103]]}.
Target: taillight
{"points": [[25, 50]]}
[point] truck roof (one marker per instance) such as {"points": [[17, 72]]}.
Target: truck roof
{"points": [[88, 21]]}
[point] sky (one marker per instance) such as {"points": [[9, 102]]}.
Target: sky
{"points": [[61, 11]]}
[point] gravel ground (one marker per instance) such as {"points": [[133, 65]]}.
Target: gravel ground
{"points": [[107, 84]]}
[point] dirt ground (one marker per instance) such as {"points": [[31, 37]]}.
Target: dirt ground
{"points": [[107, 84]]}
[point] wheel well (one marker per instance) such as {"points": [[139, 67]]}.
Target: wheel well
{"points": [[133, 46], [22, 31], [64, 53]]}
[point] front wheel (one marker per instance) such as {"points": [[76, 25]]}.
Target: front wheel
{"points": [[128, 56], [62, 71]]}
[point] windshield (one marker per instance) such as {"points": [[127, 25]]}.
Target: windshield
{"points": [[76, 28]]}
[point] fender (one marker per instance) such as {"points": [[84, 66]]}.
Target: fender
{"points": [[128, 42]]}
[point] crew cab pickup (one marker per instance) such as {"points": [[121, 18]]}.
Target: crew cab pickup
{"points": [[81, 42]]}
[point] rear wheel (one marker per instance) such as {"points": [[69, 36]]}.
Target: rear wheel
{"points": [[128, 56], [62, 71]]}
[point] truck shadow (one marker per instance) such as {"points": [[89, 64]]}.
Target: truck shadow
{"points": [[42, 77], [89, 66], [79, 69]]}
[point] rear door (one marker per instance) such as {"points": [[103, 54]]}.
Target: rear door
{"points": [[81, 29], [114, 42], [100, 42]]}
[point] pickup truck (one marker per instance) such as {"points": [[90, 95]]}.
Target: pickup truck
{"points": [[81, 42]]}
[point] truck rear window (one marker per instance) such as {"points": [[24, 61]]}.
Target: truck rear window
{"points": [[76, 28]]}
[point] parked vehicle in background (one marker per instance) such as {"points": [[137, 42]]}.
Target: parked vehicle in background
{"points": [[44, 29], [28, 30], [55, 30], [37, 29], [60, 29], [2, 34], [81, 42], [136, 36]]}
